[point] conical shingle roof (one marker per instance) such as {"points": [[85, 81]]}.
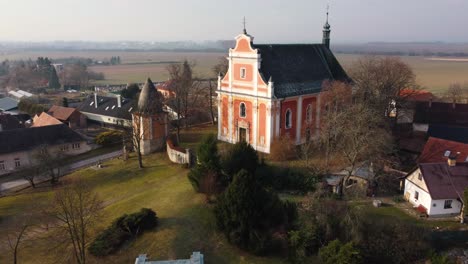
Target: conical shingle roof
{"points": [[149, 101]]}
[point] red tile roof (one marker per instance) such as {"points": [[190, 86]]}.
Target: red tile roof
{"points": [[443, 181], [416, 95], [44, 119], [60, 112], [436, 148]]}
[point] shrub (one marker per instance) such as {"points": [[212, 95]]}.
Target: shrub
{"points": [[282, 149], [109, 138], [391, 240], [282, 179], [121, 230], [338, 253]]}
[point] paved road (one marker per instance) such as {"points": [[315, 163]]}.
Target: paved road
{"points": [[18, 183]]}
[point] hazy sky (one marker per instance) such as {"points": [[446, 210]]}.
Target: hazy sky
{"points": [[280, 21]]}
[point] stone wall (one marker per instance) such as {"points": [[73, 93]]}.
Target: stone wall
{"points": [[177, 154]]}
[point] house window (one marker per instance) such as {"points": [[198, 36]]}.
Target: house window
{"points": [[2, 165], [448, 204], [75, 145], [243, 72], [242, 111], [64, 148], [309, 114], [420, 176], [308, 134], [288, 119], [447, 153], [17, 163], [416, 195]]}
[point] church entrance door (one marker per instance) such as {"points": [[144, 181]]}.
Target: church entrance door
{"points": [[242, 135]]}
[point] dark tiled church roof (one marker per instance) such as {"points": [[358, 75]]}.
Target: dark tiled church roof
{"points": [[107, 106], [298, 69], [28, 138]]}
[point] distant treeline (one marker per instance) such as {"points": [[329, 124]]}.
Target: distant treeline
{"points": [[403, 53]]}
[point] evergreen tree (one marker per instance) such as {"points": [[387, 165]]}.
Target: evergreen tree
{"points": [[248, 214], [131, 91], [240, 156], [65, 102], [205, 177], [53, 79]]}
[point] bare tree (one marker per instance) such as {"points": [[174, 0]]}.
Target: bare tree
{"points": [[455, 92], [50, 163], [361, 137], [74, 212], [20, 230], [335, 101], [30, 173], [186, 92], [379, 81]]}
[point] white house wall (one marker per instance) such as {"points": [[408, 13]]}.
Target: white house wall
{"points": [[107, 119]]}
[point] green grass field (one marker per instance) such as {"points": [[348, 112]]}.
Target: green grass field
{"points": [[186, 221], [433, 75]]}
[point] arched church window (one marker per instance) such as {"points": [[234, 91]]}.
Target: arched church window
{"points": [[309, 114], [242, 110], [288, 119]]}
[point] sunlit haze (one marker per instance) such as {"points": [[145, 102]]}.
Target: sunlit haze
{"points": [[269, 21]]}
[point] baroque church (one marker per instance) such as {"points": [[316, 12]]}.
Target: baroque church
{"points": [[273, 90]]}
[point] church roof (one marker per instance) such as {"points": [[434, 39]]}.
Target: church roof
{"points": [[298, 69], [149, 100]]}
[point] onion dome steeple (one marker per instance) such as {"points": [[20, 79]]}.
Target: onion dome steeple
{"points": [[326, 32]]}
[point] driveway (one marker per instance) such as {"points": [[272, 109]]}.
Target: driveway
{"points": [[13, 184]]}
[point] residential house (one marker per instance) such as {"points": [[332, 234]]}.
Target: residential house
{"points": [[439, 150], [8, 104], [439, 113], [437, 188], [166, 89], [274, 90], [452, 133], [105, 110], [18, 146], [68, 115], [20, 94], [44, 119]]}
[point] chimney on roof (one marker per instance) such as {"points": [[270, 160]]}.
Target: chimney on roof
{"points": [[452, 160], [119, 101], [95, 100]]}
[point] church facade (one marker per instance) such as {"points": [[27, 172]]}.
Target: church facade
{"points": [[274, 90]]}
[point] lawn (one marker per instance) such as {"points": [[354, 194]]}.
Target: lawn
{"points": [[186, 222]]}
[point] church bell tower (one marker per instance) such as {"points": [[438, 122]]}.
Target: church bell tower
{"points": [[326, 33]]}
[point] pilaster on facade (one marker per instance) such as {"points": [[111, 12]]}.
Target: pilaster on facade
{"points": [[255, 122], [231, 119], [269, 126], [319, 107], [299, 120], [278, 119], [220, 113]]}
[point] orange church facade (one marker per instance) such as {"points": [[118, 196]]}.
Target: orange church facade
{"points": [[273, 91]]}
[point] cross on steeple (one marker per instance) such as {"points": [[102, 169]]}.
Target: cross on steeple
{"points": [[245, 30]]}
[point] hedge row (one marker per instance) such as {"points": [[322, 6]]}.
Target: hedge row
{"points": [[121, 230]]}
